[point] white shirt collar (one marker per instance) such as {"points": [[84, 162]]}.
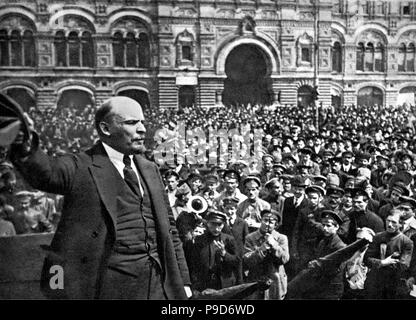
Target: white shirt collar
{"points": [[113, 154]]}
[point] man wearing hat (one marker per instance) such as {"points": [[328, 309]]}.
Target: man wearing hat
{"points": [[26, 219], [397, 190], [231, 183], [333, 201], [45, 205], [388, 257], [274, 195], [237, 227], [267, 168], [286, 181], [306, 162], [250, 208], [265, 254], [211, 183], [407, 208], [377, 174], [289, 161], [214, 260], [307, 231], [361, 216], [278, 169], [330, 285], [291, 207]]}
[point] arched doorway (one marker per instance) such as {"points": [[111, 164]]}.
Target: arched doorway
{"points": [[305, 97], [370, 96], [140, 96], [407, 95], [75, 99], [248, 81], [186, 96], [23, 97]]}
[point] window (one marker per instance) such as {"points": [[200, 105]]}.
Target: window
{"points": [[60, 49], [401, 59], [185, 48], [87, 50], [131, 51], [144, 51], [406, 10], [360, 57], [337, 57], [186, 96], [118, 49], [16, 48], [369, 57], [378, 58], [410, 58], [4, 48], [29, 49], [74, 50], [306, 56]]}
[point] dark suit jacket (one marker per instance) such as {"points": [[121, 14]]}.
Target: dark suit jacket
{"points": [[290, 215], [86, 233], [223, 271]]}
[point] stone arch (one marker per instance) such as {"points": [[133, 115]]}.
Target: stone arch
{"points": [[128, 85], [25, 23], [125, 13], [27, 85], [23, 94], [369, 100], [62, 91], [403, 30], [18, 10], [224, 50], [63, 15], [376, 28]]}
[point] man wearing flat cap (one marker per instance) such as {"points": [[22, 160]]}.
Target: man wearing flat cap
{"points": [[212, 183], [397, 190], [265, 254], [231, 183], [267, 168], [305, 161], [291, 208], [388, 257], [361, 216], [274, 195], [308, 230], [250, 208], [330, 285], [214, 260], [407, 208], [382, 162], [237, 227], [26, 219], [171, 180], [333, 201]]}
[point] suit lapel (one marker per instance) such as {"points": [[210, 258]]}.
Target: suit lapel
{"points": [[107, 180]]}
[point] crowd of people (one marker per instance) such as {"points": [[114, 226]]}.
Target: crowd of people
{"points": [[321, 182]]}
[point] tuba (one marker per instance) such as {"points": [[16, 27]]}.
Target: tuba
{"points": [[197, 205]]}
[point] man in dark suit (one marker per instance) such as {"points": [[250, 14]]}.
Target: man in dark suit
{"points": [[117, 237], [214, 259]]}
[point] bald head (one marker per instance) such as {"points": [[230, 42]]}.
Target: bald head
{"points": [[120, 124]]}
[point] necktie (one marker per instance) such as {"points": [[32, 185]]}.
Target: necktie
{"points": [[130, 176]]}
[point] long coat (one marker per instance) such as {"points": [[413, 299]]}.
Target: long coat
{"points": [[331, 284], [86, 233], [208, 268], [269, 266]]}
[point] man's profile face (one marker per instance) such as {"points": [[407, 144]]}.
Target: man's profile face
{"points": [[314, 198], [126, 126], [330, 227]]}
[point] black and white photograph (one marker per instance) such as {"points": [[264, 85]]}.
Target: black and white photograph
{"points": [[208, 150]]}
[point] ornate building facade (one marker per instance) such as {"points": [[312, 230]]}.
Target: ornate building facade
{"points": [[175, 53]]}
